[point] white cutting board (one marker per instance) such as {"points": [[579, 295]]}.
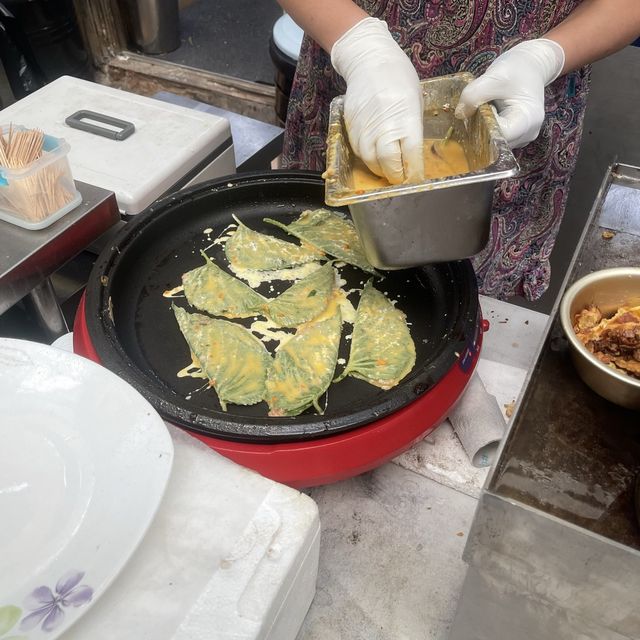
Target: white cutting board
{"points": [[168, 142]]}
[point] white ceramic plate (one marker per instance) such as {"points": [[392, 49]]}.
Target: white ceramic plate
{"points": [[84, 462]]}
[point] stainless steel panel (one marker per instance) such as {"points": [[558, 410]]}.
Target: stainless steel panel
{"points": [[522, 550], [27, 257], [493, 611], [555, 536]]}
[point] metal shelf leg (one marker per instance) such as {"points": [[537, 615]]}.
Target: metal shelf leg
{"points": [[47, 312]]}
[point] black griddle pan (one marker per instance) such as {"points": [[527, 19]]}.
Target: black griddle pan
{"points": [[134, 332]]}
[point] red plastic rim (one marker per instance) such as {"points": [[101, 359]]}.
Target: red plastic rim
{"points": [[325, 460]]}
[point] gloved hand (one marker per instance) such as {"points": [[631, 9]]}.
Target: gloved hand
{"points": [[383, 102], [515, 82]]}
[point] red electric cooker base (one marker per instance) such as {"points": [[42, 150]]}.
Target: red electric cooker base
{"points": [[324, 460]]}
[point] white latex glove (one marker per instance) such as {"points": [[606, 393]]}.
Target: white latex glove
{"points": [[515, 82], [383, 103]]}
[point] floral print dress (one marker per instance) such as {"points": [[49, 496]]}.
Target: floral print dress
{"points": [[447, 36]]}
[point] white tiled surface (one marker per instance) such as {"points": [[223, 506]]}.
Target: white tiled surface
{"points": [[391, 550]]}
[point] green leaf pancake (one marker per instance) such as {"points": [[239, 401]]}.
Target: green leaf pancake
{"points": [[234, 361]]}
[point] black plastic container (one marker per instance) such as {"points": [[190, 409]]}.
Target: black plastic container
{"points": [[285, 70], [21, 68]]}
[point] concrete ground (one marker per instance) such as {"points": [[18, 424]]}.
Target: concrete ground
{"points": [[227, 36]]}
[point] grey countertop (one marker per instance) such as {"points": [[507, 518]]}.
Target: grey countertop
{"points": [[255, 143]]}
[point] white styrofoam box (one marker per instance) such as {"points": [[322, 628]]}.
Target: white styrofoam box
{"points": [[230, 554], [252, 597], [169, 141]]}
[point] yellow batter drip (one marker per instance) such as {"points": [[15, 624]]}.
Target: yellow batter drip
{"points": [[193, 370], [440, 161], [174, 293]]}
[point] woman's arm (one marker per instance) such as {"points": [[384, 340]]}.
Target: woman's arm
{"points": [[324, 20], [383, 100], [595, 29], [515, 81]]}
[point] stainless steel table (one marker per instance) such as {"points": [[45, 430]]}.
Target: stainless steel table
{"points": [[554, 550], [28, 258]]}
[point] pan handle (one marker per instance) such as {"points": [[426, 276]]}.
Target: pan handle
{"points": [[123, 128]]}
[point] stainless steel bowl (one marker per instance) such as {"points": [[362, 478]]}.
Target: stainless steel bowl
{"points": [[608, 290], [407, 225]]}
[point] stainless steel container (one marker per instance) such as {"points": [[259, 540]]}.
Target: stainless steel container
{"points": [[608, 290], [154, 24], [438, 220]]}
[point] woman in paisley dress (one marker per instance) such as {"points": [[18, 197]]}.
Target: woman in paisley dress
{"points": [[555, 38]]}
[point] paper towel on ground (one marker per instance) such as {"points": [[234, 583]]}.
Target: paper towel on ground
{"points": [[441, 457], [478, 423], [480, 417]]}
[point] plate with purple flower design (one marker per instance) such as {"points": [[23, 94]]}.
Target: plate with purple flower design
{"points": [[84, 463]]}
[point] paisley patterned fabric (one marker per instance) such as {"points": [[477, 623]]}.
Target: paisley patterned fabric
{"points": [[446, 36]]}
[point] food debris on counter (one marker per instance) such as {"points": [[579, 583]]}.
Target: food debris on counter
{"points": [[509, 408]]}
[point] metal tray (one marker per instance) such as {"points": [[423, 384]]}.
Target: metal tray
{"points": [[557, 514], [563, 438], [437, 220]]}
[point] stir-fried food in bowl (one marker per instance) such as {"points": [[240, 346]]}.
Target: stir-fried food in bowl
{"points": [[615, 341], [600, 316]]}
